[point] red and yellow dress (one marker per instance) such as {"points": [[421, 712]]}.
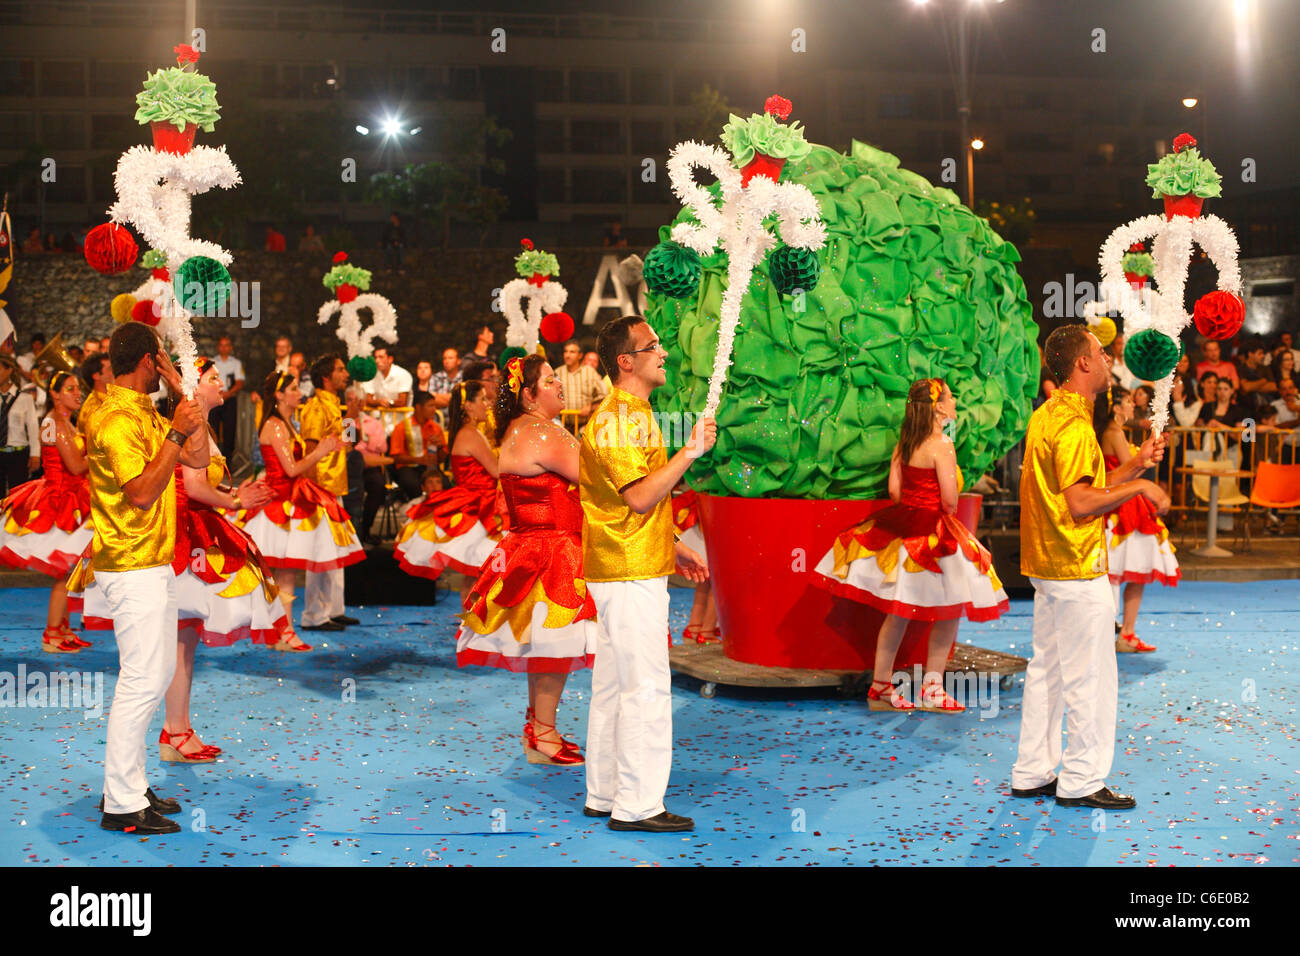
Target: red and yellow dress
{"points": [[686, 521], [304, 526], [1138, 541], [45, 524], [915, 560], [529, 610], [457, 528], [224, 590]]}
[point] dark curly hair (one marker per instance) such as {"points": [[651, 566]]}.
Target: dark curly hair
{"points": [[461, 394], [510, 405]]}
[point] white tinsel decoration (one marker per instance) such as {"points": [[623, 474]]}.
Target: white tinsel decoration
{"points": [[521, 331], [737, 227], [360, 342], [1162, 308], [153, 194]]}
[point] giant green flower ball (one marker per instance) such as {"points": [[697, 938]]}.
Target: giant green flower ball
{"points": [[913, 285], [202, 285]]}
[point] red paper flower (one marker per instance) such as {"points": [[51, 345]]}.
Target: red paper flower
{"points": [[345, 293], [1219, 315], [340, 257], [1136, 247], [1182, 141], [557, 327], [185, 54], [160, 273], [146, 311], [778, 106], [526, 243], [110, 248]]}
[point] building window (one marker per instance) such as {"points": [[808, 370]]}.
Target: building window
{"points": [[648, 137], [63, 131], [853, 103], [63, 78], [894, 106], [17, 130], [464, 83], [549, 86], [596, 136], [116, 77], [17, 77], [595, 86], [550, 135], [69, 185], [551, 186], [600, 185], [649, 88], [362, 80], [113, 130], [655, 191]]}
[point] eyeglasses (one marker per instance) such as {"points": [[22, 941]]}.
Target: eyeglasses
{"points": [[652, 347]]}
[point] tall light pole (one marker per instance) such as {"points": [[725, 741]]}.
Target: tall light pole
{"points": [[1191, 102], [972, 147]]}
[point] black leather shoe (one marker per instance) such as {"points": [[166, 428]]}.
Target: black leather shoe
{"points": [[143, 822], [156, 803], [1103, 799], [588, 812], [662, 823], [345, 620], [325, 626], [1046, 790]]}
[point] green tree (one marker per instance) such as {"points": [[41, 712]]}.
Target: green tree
{"points": [[709, 113], [449, 190], [1013, 221]]}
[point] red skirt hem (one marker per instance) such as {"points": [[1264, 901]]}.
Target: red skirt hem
{"points": [[226, 639], [472, 657], [912, 612], [431, 573], [1137, 577], [23, 563], [302, 564]]}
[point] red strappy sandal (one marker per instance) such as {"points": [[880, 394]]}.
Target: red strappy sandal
{"points": [[568, 755], [1132, 644], [54, 641], [936, 700], [171, 752], [877, 699]]}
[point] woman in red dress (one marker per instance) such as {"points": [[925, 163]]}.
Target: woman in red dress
{"points": [[529, 610], [458, 528], [303, 526], [914, 560], [45, 524]]}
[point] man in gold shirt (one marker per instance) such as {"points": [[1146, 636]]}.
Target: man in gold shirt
{"points": [[1063, 497], [626, 481], [132, 452], [322, 415]]}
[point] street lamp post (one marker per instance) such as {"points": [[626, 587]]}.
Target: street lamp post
{"points": [[1191, 102], [971, 147]]}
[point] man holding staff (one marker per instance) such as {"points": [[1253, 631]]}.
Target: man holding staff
{"points": [[133, 451], [1063, 496], [626, 481]]}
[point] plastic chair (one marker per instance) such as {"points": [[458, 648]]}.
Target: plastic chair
{"points": [[1231, 500], [1277, 487]]}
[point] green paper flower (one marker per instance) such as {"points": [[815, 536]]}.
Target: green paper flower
{"points": [[1183, 174], [513, 351], [154, 259], [763, 133], [362, 368], [347, 273], [793, 270], [178, 96], [202, 285], [912, 285], [1151, 355], [672, 269], [1138, 263], [532, 261]]}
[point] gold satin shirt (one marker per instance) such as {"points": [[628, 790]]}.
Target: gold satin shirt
{"points": [[1060, 449], [125, 434], [90, 405], [620, 445], [323, 415]]}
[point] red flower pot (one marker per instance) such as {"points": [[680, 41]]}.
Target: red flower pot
{"points": [[762, 555], [1135, 280], [761, 165], [1188, 205], [168, 139]]}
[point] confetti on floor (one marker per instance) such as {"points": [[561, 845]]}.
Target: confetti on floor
{"points": [[375, 750]]}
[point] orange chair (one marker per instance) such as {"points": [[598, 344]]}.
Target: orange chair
{"points": [[1276, 486]]}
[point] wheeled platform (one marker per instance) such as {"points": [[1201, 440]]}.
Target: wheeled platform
{"points": [[708, 664]]}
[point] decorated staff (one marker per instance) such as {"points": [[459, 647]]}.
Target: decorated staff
{"points": [[546, 298], [1154, 318], [760, 146], [350, 285], [154, 188]]}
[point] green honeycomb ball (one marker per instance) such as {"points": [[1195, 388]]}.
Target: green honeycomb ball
{"points": [[793, 270], [673, 270], [1151, 355], [202, 285]]}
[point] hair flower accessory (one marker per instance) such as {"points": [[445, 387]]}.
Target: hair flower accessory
{"points": [[515, 374], [935, 390]]}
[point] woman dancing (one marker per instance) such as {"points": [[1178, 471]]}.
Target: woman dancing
{"points": [[1137, 540], [45, 523], [529, 610], [914, 560], [702, 627], [303, 526], [458, 528]]}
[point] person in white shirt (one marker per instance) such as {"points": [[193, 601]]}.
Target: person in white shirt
{"points": [[390, 388], [224, 419], [20, 435], [582, 386], [283, 351], [1288, 406]]}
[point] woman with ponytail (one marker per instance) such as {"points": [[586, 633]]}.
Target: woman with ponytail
{"points": [[1137, 541], [914, 560], [303, 526], [225, 591], [45, 523], [529, 610], [458, 528]]}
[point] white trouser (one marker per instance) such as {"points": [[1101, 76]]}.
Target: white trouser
{"points": [[142, 604], [630, 728], [324, 597], [1073, 671]]}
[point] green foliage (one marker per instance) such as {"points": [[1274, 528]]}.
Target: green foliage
{"points": [[178, 96], [1013, 221], [708, 113]]}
